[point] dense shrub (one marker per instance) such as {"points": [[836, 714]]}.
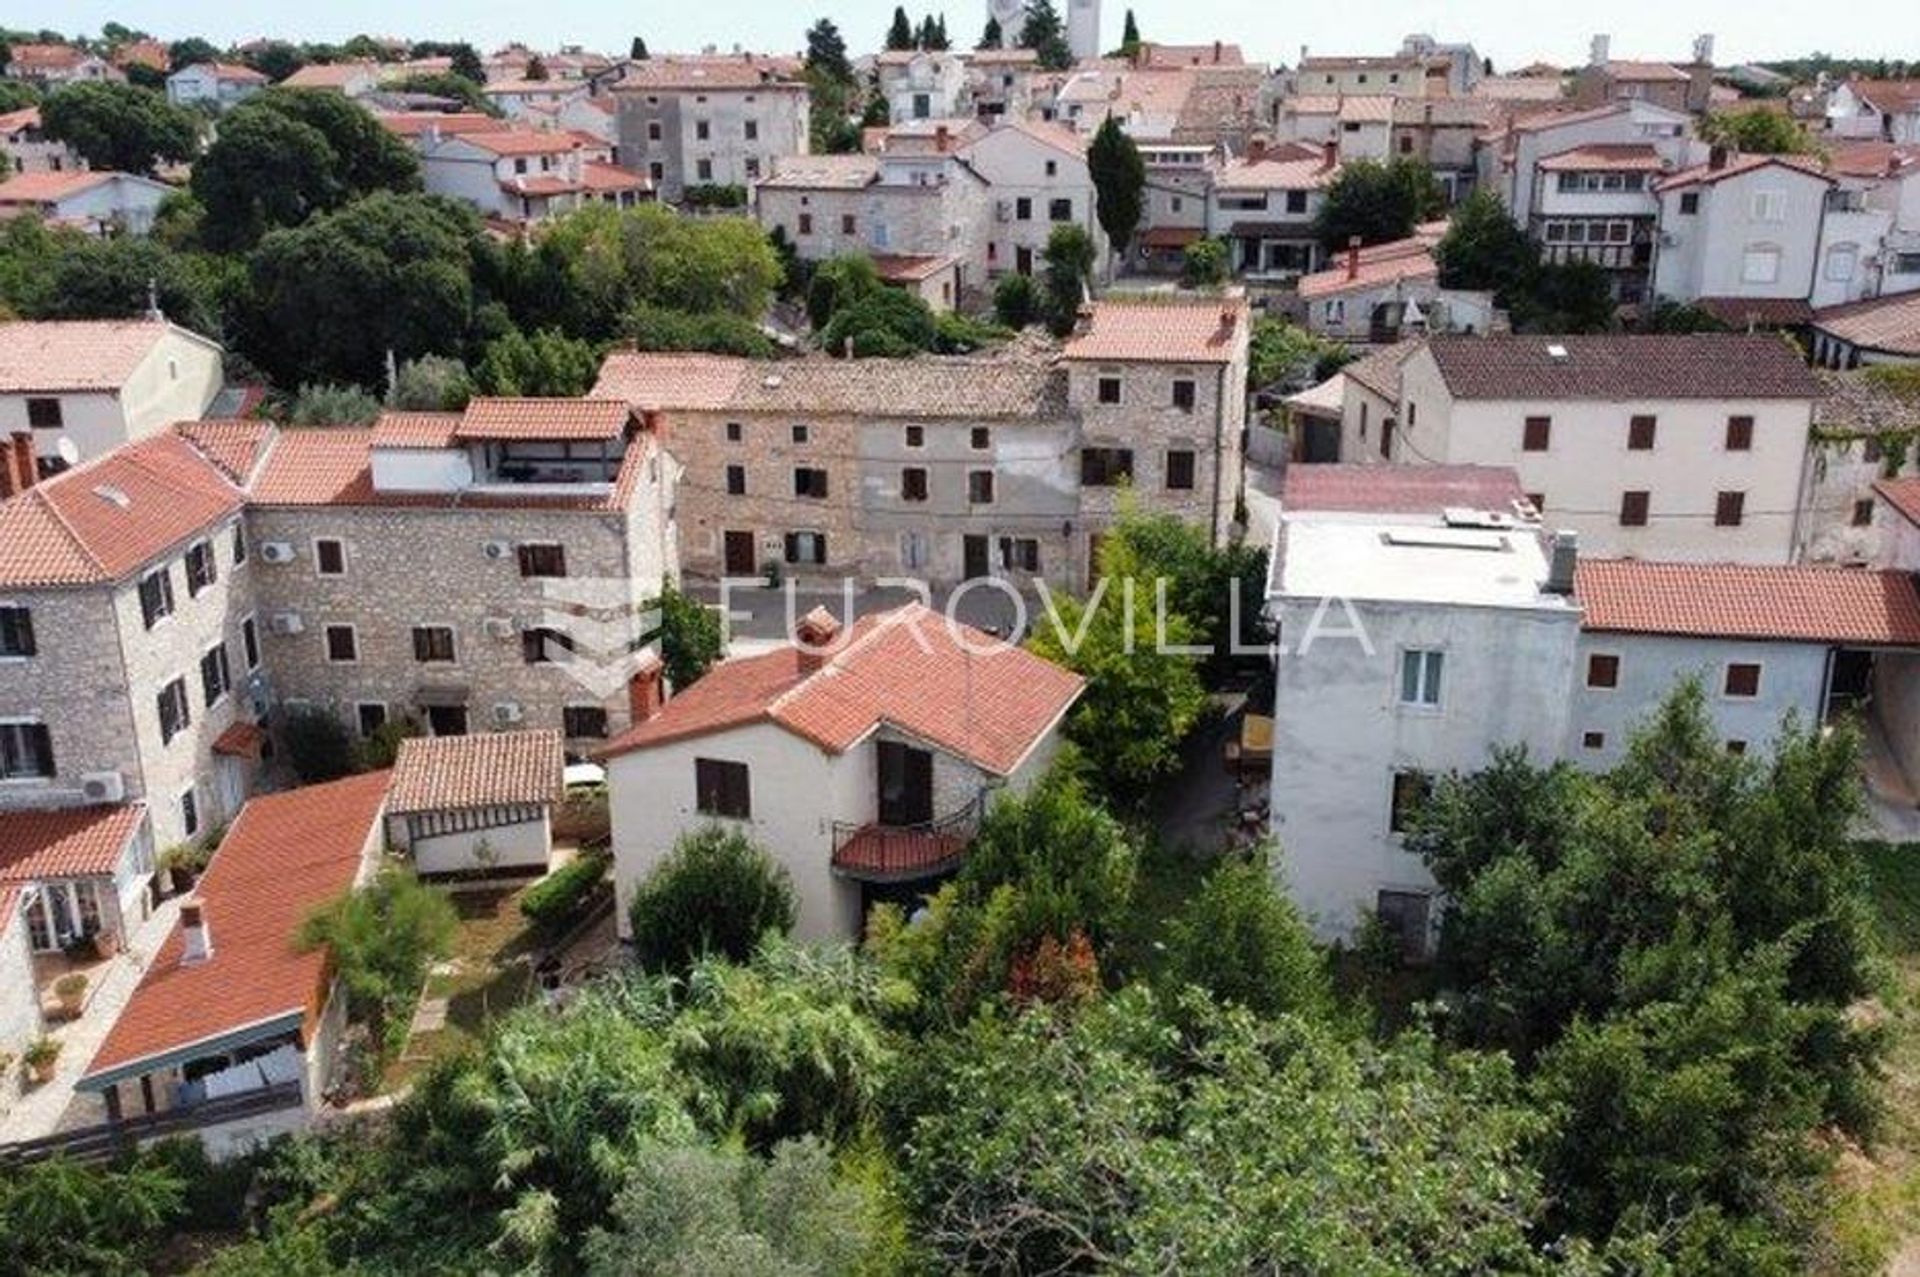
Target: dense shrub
{"points": [[715, 893], [558, 899]]}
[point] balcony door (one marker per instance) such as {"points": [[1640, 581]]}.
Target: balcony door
{"points": [[906, 785]]}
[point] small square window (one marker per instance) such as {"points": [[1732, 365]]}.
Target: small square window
{"points": [[432, 644], [799, 433], [736, 481], [343, 645], [1743, 680], [1689, 202], [1863, 512], [1633, 509], [722, 788], [1109, 390], [1183, 394], [913, 484], [1593, 740], [1603, 670], [1736, 747], [1640, 433], [202, 571], [980, 487], [330, 557], [543, 560], [981, 439], [1180, 469], [370, 716], [1420, 677], [44, 414], [1729, 508], [16, 632], [1739, 434], [916, 436], [1536, 434], [734, 432], [1410, 792], [584, 722], [810, 481]]}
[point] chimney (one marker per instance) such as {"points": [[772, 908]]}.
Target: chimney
{"points": [[646, 690], [1716, 157], [942, 139], [1353, 256], [814, 637], [1329, 156], [654, 422], [1256, 149], [1565, 552], [18, 470], [196, 938], [1217, 52]]}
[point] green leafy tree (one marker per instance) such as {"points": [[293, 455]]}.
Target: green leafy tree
{"points": [[447, 84], [1046, 35], [380, 939], [1242, 940], [900, 31], [66, 275], [276, 59], [1142, 698], [691, 638], [546, 365], [1284, 353], [715, 893], [1119, 182], [317, 745], [827, 52], [467, 65], [838, 283], [1756, 132], [537, 69], [66, 1219], [369, 157], [1073, 864], [1217, 592], [1683, 317], [191, 51], [15, 94], [647, 327], [331, 299], [326, 405], [1484, 249], [1069, 271], [1567, 297], [1016, 301], [120, 127], [1377, 202], [431, 383], [1203, 264], [266, 170], [991, 37], [889, 323], [1130, 36], [637, 51]]}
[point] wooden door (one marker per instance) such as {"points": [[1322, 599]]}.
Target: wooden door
{"points": [[739, 553]]}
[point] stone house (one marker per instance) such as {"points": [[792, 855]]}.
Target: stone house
{"points": [[27, 149], [80, 388], [862, 761], [467, 572], [710, 121], [1037, 179]]}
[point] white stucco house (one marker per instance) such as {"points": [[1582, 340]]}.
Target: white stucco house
{"points": [[1037, 179], [233, 1034], [219, 84], [478, 804], [1690, 447], [1884, 109], [922, 84], [95, 201], [88, 386], [862, 761]]}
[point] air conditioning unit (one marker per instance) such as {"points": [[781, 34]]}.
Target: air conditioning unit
{"points": [[506, 713], [103, 787], [500, 627], [277, 552], [286, 623], [497, 549]]}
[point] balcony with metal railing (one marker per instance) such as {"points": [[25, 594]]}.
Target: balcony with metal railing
{"points": [[878, 852]]}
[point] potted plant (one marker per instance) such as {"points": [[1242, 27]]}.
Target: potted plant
{"points": [[40, 1058], [182, 863], [71, 989]]}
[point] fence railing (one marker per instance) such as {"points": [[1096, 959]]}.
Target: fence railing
{"points": [[97, 1143]]}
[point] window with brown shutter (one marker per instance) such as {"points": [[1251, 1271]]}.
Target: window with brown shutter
{"points": [[722, 788], [1728, 509], [1180, 469], [1743, 679], [1739, 434], [1633, 509], [980, 487], [1640, 433], [543, 560], [736, 481], [1537, 434], [1603, 670]]}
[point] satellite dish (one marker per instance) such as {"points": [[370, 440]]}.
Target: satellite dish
{"points": [[67, 451]]}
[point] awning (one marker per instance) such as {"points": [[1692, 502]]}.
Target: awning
{"points": [[432, 695], [242, 740]]}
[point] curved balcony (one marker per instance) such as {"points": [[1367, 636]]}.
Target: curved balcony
{"points": [[878, 852]]}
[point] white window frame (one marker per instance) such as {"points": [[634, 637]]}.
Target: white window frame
{"points": [[1759, 681], [346, 560], [1586, 672], [1762, 251], [326, 645], [1427, 668]]}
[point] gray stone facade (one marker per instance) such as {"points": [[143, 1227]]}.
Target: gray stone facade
{"points": [[682, 135]]}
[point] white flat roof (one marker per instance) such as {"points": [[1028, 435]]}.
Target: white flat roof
{"points": [[1414, 563]]}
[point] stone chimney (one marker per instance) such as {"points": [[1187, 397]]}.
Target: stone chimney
{"points": [[18, 469], [196, 937], [1353, 257], [1256, 149], [1716, 157], [1329, 156], [942, 139], [654, 422], [1218, 52], [646, 690], [815, 637], [1564, 557]]}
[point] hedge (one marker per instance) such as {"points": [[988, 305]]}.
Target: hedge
{"points": [[557, 899]]}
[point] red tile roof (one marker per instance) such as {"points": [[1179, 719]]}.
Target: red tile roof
{"points": [[1645, 71], [545, 419], [648, 379], [907, 269], [610, 177], [1895, 97], [1771, 312], [286, 855], [241, 740], [74, 354], [738, 71], [1712, 600], [522, 141], [68, 842], [235, 445], [430, 430], [1903, 495], [1401, 259], [1385, 489], [493, 769], [953, 687], [331, 75], [1182, 332], [1855, 157], [1707, 175], [1890, 324], [449, 123], [47, 56], [1614, 157], [102, 520], [27, 117]]}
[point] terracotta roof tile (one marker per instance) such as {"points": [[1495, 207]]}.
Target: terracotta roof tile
{"points": [[922, 387], [1293, 173], [1207, 331], [449, 123], [1707, 175], [27, 117], [671, 381], [595, 176], [1796, 603], [1691, 366], [67, 842], [101, 520], [740, 71], [521, 141], [492, 769], [1379, 370], [241, 740], [823, 172], [1402, 259], [410, 430], [1893, 96], [1890, 324], [545, 419], [286, 855], [1645, 71], [74, 354], [1358, 488], [330, 75], [962, 691], [1903, 495], [1613, 157], [235, 445]]}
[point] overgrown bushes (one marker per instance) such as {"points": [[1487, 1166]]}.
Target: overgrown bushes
{"points": [[557, 901], [716, 893]]}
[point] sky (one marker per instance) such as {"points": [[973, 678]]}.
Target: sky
{"points": [[1511, 32]]}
